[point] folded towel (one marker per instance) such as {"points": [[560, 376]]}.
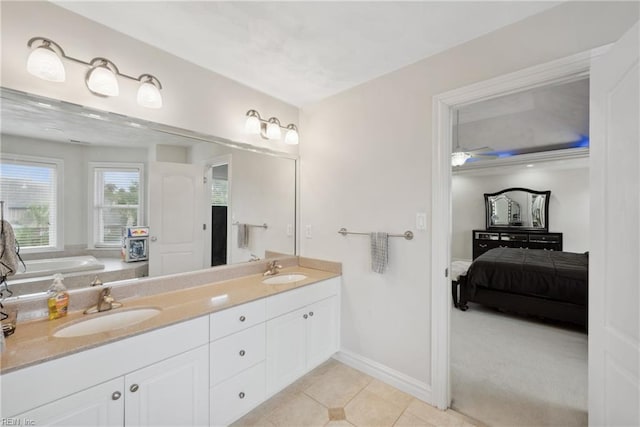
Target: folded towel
{"points": [[243, 236], [379, 252], [8, 251]]}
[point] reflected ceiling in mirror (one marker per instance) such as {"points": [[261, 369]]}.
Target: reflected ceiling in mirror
{"points": [[261, 182]]}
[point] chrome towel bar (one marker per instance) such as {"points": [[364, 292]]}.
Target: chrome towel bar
{"points": [[407, 234], [253, 225]]}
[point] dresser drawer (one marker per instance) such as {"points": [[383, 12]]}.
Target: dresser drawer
{"points": [[236, 319], [235, 353], [238, 395]]}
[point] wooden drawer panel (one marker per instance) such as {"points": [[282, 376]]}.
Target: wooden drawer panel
{"points": [[238, 395], [235, 353], [235, 319]]}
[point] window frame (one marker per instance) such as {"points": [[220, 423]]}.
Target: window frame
{"points": [[92, 199], [59, 189]]}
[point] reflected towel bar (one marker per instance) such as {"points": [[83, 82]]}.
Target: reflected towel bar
{"points": [[407, 234], [253, 225]]}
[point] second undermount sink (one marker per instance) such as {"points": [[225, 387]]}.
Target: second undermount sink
{"points": [[106, 322], [284, 278]]}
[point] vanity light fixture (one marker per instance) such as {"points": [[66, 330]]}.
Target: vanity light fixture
{"points": [[45, 62], [270, 129]]}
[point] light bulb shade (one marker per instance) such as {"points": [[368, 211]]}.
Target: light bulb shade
{"points": [[253, 124], [44, 63], [102, 81], [149, 95], [291, 137], [273, 129], [458, 158]]}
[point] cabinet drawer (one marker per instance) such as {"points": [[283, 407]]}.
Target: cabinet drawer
{"points": [[286, 302], [235, 353], [238, 395], [236, 319]]}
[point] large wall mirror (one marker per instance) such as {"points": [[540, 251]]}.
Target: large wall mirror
{"points": [[518, 208], [73, 178]]}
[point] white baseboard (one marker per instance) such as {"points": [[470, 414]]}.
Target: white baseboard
{"points": [[385, 374]]}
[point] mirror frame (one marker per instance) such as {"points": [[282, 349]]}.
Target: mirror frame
{"points": [[488, 210]]}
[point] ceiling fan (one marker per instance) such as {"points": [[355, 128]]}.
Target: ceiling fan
{"points": [[460, 154]]}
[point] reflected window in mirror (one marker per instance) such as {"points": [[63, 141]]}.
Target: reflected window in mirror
{"points": [[117, 201], [30, 189]]}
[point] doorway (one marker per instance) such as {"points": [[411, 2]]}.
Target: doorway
{"points": [[567, 69], [219, 213]]}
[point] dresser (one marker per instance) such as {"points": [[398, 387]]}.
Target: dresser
{"points": [[483, 240]]}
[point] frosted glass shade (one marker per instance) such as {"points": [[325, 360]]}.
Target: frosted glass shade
{"points": [[458, 158], [102, 81], [291, 137], [252, 125], [149, 95], [273, 130], [46, 64]]}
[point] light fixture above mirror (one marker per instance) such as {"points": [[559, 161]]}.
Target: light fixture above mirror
{"points": [[270, 129], [45, 62]]}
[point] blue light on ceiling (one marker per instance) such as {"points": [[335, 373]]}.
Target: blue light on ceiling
{"points": [[583, 142]]}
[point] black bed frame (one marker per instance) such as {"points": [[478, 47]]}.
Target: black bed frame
{"points": [[523, 304]]}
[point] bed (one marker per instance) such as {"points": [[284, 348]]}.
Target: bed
{"points": [[548, 284]]}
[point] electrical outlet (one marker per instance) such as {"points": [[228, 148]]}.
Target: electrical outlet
{"points": [[289, 230], [307, 232]]}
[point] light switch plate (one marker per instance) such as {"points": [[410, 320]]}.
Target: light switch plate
{"points": [[307, 232], [421, 221], [289, 230]]}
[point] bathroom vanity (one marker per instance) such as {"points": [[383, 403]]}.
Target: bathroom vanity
{"points": [[212, 354]]}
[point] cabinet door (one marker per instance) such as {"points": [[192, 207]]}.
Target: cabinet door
{"points": [[172, 392], [322, 331], [101, 405], [286, 349]]}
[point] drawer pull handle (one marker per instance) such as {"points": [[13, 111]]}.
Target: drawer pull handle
{"points": [[242, 353], [482, 245], [116, 395], [242, 318], [311, 313], [305, 316], [134, 388], [241, 395]]}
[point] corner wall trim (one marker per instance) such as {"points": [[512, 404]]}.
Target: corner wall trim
{"points": [[385, 374]]}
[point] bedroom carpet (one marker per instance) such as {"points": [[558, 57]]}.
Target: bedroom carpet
{"points": [[515, 371]]}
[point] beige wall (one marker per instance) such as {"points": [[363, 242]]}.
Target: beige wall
{"points": [[366, 165]]}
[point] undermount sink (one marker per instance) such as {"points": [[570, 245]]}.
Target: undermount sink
{"points": [[284, 278], [106, 322]]}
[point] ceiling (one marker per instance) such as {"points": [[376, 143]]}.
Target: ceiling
{"points": [[301, 52]]}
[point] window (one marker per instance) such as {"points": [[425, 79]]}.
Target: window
{"points": [[30, 188], [117, 201]]}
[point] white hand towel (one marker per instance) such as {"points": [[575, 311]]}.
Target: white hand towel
{"points": [[243, 236], [8, 252], [379, 252]]}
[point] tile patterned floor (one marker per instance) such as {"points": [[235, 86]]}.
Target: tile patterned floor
{"points": [[336, 395]]}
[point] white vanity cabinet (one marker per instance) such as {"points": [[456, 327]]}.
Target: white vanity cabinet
{"points": [[302, 332], [237, 353], [160, 377]]}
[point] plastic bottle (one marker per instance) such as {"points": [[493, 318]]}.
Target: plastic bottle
{"points": [[58, 298]]}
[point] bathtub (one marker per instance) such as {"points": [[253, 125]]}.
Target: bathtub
{"points": [[48, 267]]}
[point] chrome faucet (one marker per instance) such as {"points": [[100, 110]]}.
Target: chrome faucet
{"points": [[272, 268], [254, 258], [105, 302]]}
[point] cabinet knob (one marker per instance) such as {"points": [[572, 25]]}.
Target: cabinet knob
{"points": [[305, 316], [134, 388], [241, 395], [242, 353], [116, 395], [311, 313], [242, 318]]}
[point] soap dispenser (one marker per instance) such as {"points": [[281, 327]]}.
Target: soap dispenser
{"points": [[58, 300]]}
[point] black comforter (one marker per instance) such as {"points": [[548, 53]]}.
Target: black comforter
{"points": [[560, 276]]}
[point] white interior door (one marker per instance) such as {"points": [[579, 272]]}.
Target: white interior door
{"points": [[176, 215], [614, 296]]}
